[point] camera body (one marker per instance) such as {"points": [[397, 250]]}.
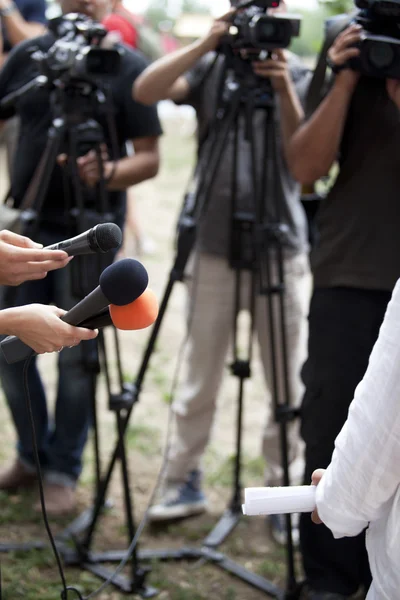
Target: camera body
{"points": [[380, 43], [76, 53], [256, 31]]}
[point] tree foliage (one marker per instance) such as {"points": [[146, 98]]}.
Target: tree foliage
{"points": [[335, 7]]}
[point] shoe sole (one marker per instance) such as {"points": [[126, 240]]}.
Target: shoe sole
{"points": [[177, 512]]}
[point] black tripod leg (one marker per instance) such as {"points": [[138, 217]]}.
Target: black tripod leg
{"points": [[240, 368], [270, 259]]}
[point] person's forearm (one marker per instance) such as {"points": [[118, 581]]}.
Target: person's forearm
{"points": [[292, 115], [155, 82], [134, 169], [19, 30], [314, 147]]}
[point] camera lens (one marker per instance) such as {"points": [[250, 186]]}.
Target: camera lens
{"points": [[267, 32], [381, 55]]}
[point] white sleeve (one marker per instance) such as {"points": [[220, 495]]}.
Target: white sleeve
{"points": [[364, 472]]}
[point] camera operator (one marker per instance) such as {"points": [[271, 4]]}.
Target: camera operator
{"points": [[61, 447], [40, 327], [355, 263], [180, 76]]}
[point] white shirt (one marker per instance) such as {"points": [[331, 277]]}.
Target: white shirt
{"points": [[361, 487]]}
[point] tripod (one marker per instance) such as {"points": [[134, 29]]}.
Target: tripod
{"points": [[239, 96], [75, 132]]}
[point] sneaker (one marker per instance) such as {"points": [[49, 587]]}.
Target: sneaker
{"points": [[180, 500], [277, 524]]}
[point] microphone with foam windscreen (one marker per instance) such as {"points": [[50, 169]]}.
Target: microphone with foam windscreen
{"points": [[121, 283], [101, 238], [137, 315]]}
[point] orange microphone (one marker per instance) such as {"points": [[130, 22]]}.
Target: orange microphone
{"points": [[139, 314]]}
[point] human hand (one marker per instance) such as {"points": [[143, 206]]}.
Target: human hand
{"points": [[393, 89], [341, 51], [40, 327], [315, 479], [219, 28], [89, 169], [21, 259], [276, 69]]}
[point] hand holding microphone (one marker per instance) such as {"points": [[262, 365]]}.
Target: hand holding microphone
{"points": [[121, 283], [41, 328], [21, 259]]}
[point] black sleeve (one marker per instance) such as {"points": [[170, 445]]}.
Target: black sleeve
{"points": [[138, 120], [11, 77]]}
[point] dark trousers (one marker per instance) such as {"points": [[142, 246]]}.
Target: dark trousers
{"points": [[343, 328]]}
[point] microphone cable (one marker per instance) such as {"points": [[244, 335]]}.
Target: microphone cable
{"points": [[66, 589]]}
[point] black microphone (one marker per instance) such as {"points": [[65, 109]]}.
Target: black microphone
{"points": [[121, 283], [99, 321], [101, 238]]}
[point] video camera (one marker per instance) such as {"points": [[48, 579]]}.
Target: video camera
{"points": [[257, 31], [380, 43], [76, 53]]}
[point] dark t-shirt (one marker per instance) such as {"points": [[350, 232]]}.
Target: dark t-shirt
{"points": [[282, 194], [359, 221], [132, 120], [33, 11]]}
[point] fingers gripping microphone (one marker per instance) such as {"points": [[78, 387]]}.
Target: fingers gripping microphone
{"points": [[101, 238], [121, 283], [137, 315]]}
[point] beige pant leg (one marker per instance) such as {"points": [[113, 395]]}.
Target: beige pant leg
{"points": [[211, 302]]}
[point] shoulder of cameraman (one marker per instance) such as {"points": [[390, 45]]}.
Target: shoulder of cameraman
{"points": [[300, 74], [19, 68], [197, 77], [139, 120]]}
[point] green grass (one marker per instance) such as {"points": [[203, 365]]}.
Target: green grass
{"points": [[143, 438], [219, 472]]}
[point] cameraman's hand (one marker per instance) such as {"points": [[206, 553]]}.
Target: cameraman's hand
{"points": [[340, 53], [315, 479], [393, 89], [21, 259], [276, 69], [219, 28], [41, 328], [89, 167]]}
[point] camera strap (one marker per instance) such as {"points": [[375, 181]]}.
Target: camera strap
{"points": [[315, 91]]}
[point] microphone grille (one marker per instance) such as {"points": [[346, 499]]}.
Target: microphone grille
{"points": [[108, 236], [124, 281]]}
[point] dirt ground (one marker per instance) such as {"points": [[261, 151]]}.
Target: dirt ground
{"points": [[33, 575]]}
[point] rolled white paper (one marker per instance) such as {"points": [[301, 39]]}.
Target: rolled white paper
{"points": [[279, 500]]}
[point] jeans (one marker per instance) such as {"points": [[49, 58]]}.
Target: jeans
{"points": [[344, 325], [61, 440]]}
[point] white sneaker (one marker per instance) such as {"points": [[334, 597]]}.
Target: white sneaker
{"points": [[180, 500]]}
